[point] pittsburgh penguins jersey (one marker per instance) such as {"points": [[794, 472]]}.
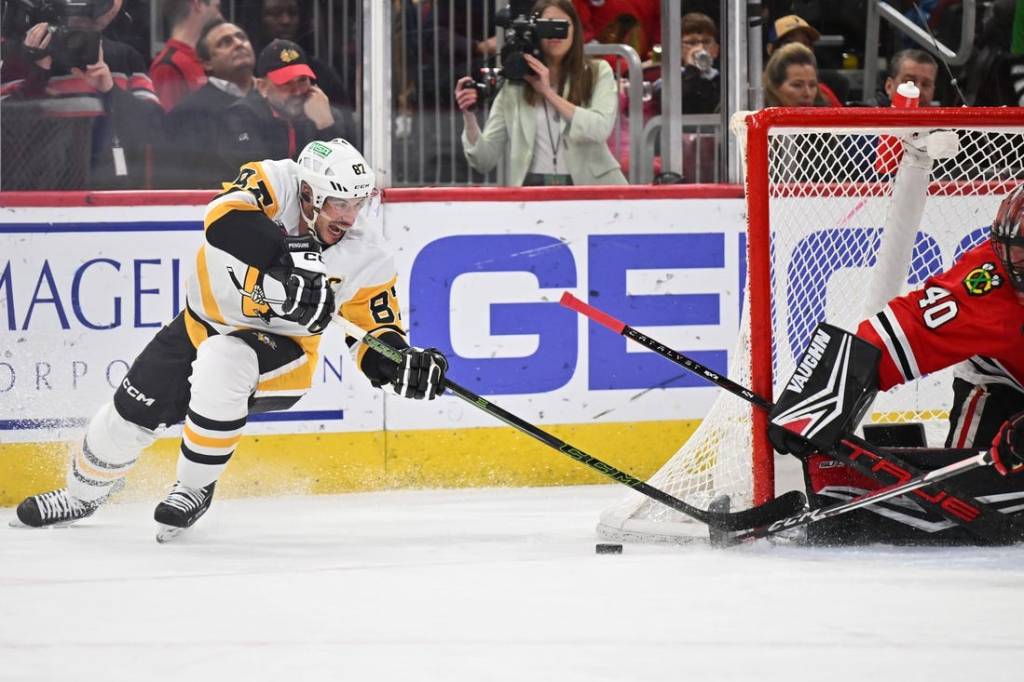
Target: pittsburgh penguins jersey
{"points": [[249, 217], [969, 316]]}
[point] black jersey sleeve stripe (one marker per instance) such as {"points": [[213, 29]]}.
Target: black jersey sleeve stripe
{"points": [[901, 354]]}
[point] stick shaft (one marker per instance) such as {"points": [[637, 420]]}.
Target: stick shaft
{"points": [[974, 515], [750, 518]]}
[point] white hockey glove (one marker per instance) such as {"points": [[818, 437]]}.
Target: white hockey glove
{"points": [[421, 373], [922, 148], [297, 290]]}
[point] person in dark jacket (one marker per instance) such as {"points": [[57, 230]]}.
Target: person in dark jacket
{"points": [[196, 125], [283, 113], [86, 121]]}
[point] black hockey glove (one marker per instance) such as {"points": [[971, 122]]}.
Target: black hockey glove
{"points": [[297, 290], [1008, 446], [421, 373]]}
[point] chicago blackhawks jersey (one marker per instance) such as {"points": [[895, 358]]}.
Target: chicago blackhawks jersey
{"points": [[969, 316], [222, 294]]}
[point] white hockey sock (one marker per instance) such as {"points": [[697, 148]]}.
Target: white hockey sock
{"points": [[224, 375], [109, 449]]}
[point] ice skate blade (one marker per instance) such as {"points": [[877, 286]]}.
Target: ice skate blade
{"points": [[165, 533], [16, 523]]}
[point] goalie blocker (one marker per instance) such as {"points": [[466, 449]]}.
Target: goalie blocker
{"points": [[834, 383]]}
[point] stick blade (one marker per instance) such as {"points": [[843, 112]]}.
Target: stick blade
{"points": [[762, 515]]}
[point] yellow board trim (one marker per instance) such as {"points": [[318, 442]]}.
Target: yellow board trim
{"points": [[330, 463]]}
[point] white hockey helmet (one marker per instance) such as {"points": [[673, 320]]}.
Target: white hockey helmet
{"points": [[334, 169]]}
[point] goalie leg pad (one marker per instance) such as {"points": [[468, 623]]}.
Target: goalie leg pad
{"points": [[902, 520], [834, 383]]}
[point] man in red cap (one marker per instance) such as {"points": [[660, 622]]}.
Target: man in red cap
{"points": [[284, 112]]}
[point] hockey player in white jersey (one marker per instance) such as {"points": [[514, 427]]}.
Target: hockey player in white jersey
{"points": [[284, 251]]}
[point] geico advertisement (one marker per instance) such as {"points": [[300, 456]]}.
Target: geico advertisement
{"points": [[83, 289]]}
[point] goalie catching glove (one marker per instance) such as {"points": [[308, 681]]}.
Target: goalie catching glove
{"points": [[834, 383], [420, 374], [297, 290], [1008, 446]]}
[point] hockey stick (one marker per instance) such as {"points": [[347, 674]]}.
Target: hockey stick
{"points": [[979, 459], [754, 517], [974, 515]]}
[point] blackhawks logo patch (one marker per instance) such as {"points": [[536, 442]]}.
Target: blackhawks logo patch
{"points": [[982, 280], [288, 55]]}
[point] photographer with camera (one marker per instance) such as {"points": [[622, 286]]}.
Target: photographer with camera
{"points": [[58, 68], [554, 109]]}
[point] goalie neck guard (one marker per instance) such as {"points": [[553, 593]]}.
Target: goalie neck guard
{"points": [[333, 169], [1007, 240]]}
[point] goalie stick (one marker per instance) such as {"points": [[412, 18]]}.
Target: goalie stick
{"points": [[755, 517], [977, 517]]}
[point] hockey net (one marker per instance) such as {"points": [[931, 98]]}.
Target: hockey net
{"points": [[840, 219]]}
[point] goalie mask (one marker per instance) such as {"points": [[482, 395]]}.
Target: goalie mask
{"points": [[335, 180], [1007, 239]]}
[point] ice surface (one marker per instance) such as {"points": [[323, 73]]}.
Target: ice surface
{"points": [[485, 585]]}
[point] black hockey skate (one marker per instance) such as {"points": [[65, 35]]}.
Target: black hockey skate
{"points": [[181, 509], [55, 508]]}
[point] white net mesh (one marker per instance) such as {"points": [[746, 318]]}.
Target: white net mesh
{"points": [[830, 192]]}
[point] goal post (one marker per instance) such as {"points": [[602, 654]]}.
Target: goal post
{"points": [[833, 233]]}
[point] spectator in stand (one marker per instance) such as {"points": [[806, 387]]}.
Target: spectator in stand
{"points": [[196, 125], [791, 78], [108, 88], [177, 70], [555, 126], [636, 23], [284, 20], [913, 65], [994, 73], [701, 81], [283, 113], [793, 29]]}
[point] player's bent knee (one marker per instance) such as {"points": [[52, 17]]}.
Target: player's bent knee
{"points": [[114, 440], [225, 370]]}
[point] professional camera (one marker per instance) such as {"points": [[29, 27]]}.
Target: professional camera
{"points": [[487, 83], [75, 46], [523, 33]]}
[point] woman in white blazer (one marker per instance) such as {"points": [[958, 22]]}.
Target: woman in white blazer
{"points": [[555, 126]]}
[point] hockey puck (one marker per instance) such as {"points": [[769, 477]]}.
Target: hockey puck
{"points": [[604, 548]]}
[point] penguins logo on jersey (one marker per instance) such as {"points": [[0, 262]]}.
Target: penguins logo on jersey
{"points": [[253, 301], [982, 280]]}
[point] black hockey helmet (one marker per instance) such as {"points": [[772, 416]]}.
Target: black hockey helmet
{"points": [[1007, 236]]}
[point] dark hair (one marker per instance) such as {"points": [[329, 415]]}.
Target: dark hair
{"points": [[578, 69], [695, 22], [202, 49], [914, 55], [784, 57]]}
